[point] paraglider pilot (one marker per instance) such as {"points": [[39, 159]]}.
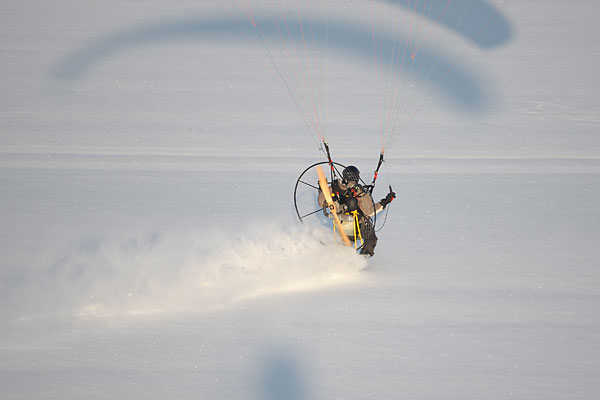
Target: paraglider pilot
{"points": [[351, 196]]}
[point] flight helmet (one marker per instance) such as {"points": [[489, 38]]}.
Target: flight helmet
{"points": [[351, 174]]}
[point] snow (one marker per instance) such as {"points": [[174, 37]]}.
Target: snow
{"points": [[149, 247]]}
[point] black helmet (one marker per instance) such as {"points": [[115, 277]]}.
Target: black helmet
{"points": [[351, 173]]}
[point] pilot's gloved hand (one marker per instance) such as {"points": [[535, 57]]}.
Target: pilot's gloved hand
{"points": [[388, 199]]}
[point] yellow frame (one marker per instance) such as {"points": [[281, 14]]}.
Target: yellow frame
{"points": [[357, 233]]}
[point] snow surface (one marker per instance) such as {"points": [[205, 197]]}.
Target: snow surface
{"points": [[149, 247]]}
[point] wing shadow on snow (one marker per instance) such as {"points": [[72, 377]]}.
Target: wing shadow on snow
{"points": [[459, 83], [282, 378], [474, 20]]}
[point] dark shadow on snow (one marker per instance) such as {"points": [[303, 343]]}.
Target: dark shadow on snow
{"points": [[282, 379], [431, 69], [474, 20]]}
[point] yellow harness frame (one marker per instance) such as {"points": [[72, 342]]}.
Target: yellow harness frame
{"points": [[357, 233]]}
